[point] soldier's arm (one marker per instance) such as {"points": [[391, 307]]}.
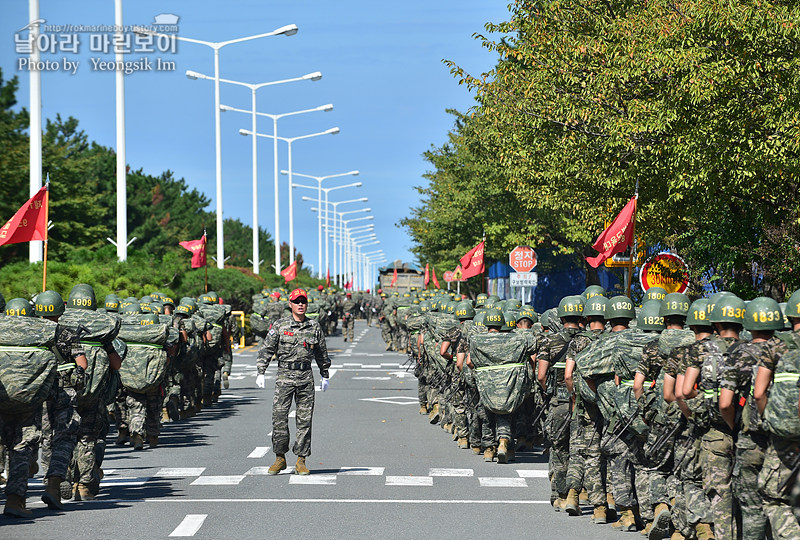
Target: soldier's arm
{"points": [[543, 359], [267, 350], [638, 384], [444, 350], [669, 388], [763, 380], [727, 407], [321, 353], [689, 380]]}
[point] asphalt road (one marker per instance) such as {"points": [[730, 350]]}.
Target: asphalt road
{"points": [[378, 470]]}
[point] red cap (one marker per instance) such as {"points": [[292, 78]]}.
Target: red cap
{"points": [[367, 291], [348, 293], [380, 291], [297, 293], [320, 287], [276, 294]]}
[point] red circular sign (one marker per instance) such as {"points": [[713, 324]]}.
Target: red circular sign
{"points": [[665, 270], [522, 259], [448, 276]]}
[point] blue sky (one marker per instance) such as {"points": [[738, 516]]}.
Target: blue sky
{"points": [[382, 70]]}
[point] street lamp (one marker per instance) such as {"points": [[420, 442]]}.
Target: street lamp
{"points": [[355, 253], [320, 189], [315, 76], [275, 138], [335, 206], [342, 236], [288, 30]]}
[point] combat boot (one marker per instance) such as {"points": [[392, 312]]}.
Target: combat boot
{"points": [[2, 479], [52, 493], [627, 520], [300, 467], [677, 536], [502, 451], [558, 504], [447, 427], [647, 528], [165, 415], [434, 416], [137, 441], [522, 444], [15, 506], [489, 454], [153, 441], [599, 515], [476, 450], [704, 531], [123, 437], [173, 412], [583, 497], [423, 409], [463, 443], [512, 454], [611, 515], [66, 490], [661, 522], [571, 504], [225, 382], [33, 468], [207, 400], [83, 493], [278, 466]]}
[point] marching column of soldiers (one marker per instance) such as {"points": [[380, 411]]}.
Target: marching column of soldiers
{"points": [[70, 369], [676, 418]]}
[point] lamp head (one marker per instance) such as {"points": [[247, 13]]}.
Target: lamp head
{"points": [[194, 75], [244, 132], [288, 30], [313, 76], [333, 131], [224, 108], [326, 108]]}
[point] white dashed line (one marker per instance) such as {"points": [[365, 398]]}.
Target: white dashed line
{"points": [[532, 473], [451, 472], [218, 480], [259, 452], [362, 471], [317, 479], [409, 481], [502, 482], [180, 472], [262, 471], [190, 525]]}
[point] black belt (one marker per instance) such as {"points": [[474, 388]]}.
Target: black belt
{"points": [[297, 366]]}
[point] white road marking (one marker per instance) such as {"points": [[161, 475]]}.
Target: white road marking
{"points": [[532, 473], [262, 471], [451, 472], [259, 452], [502, 482], [292, 414], [326, 500], [398, 400], [317, 479], [218, 480], [180, 472], [236, 377], [402, 374], [125, 481], [362, 471], [372, 378], [190, 525], [409, 481], [350, 365]]}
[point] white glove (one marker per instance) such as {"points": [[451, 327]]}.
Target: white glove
{"points": [[260, 380], [325, 383]]}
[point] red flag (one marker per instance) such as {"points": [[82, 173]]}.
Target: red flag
{"points": [[198, 249], [349, 284], [617, 237], [29, 223], [328, 278], [472, 262], [435, 281], [394, 278], [427, 276], [290, 272]]}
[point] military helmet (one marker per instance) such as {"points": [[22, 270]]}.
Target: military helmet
{"points": [[728, 308], [2, 302], [712, 300], [157, 296], [480, 319], [49, 304], [434, 303], [209, 298], [655, 293], [19, 307], [698, 313], [675, 304], [450, 306], [620, 307], [480, 300], [649, 318], [509, 321], [167, 301], [111, 303], [513, 304], [544, 318], [527, 313], [425, 306], [593, 290], [149, 318], [464, 311], [156, 307], [793, 305], [146, 300], [184, 309], [595, 306], [763, 313], [494, 319], [133, 307], [189, 301], [570, 306], [82, 297]]}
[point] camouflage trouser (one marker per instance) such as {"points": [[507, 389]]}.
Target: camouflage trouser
{"points": [[620, 469], [716, 459], [750, 450], [60, 423], [677, 503], [776, 505], [460, 413], [84, 458], [585, 465], [104, 424], [422, 384], [227, 360], [502, 424], [557, 428], [211, 374], [696, 507], [20, 435], [642, 480], [289, 385], [348, 328], [386, 333], [523, 418], [144, 413], [188, 386]]}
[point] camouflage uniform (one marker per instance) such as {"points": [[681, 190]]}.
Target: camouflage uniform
{"points": [[295, 344], [456, 391], [20, 435], [350, 310], [144, 413], [386, 325]]}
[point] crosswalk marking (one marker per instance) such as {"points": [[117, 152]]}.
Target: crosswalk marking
{"points": [[262, 471], [318, 479], [190, 525], [362, 471], [259, 452], [502, 482], [125, 481], [409, 481], [218, 480], [450, 472], [532, 473], [180, 472]]}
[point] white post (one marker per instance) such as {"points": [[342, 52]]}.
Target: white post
{"points": [[35, 97], [319, 228], [335, 254], [277, 208], [291, 207], [327, 229], [218, 136], [122, 195], [256, 256]]}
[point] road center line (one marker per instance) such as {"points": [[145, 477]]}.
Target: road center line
{"points": [[340, 501], [190, 525]]}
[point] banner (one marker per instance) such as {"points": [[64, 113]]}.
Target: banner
{"points": [[472, 262], [29, 223], [427, 276], [394, 278], [328, 278], [617, 237], [349, 284], [290, 272], [435, 281], [198, 249]]}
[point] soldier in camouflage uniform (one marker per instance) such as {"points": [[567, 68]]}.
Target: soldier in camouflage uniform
{"points": [[296, 340], [386, 318], [349, 313], [452, 340]]}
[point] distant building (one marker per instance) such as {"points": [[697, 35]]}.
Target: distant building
{"points": [[408, 276]]}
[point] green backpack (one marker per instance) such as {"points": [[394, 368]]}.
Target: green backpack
{"points": [[145, 366], [780, 415], [28, 368], [502, 371]]}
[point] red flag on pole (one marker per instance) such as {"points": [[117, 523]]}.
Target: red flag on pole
{"points": [[29, 223], [290, 272], [472, 262], [617, 237], [427, 276], [435, 281], [198, 249], [328, 278], [349, 284], [394, 278]]}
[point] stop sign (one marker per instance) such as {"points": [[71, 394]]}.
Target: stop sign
{"points": [[522, 259], [448, 276]]}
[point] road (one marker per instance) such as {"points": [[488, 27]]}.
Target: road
{"points": [[379, 470]]}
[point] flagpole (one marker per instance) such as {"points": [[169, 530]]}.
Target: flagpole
{"points": [[205, 241], [46, 227], [634, 250], [483, 281]]}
